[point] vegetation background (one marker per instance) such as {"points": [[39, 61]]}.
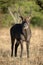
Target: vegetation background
{"points": [[24, 5]]}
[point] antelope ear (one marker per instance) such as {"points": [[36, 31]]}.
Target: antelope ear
{"points": [[28, 19], [21, 18]]}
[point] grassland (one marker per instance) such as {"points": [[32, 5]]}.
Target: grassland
{"points": [[35, 49]]}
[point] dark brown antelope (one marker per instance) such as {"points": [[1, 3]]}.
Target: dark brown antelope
{"points": [[21, 32]]}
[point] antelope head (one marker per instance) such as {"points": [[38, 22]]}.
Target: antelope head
{"points": [[26, 21]]}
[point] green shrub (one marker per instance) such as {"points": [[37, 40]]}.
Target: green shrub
{"points": [[25, 7]]}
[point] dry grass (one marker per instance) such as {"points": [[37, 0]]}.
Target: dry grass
{"points": [[36, 49]]}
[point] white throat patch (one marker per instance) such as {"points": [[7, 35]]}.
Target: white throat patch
{"points": [[26, 27]]}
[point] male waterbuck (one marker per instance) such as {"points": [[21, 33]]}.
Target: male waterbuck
{"points": [[21, 32]]}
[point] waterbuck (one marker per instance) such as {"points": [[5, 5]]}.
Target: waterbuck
{"points": [[21, 32]]}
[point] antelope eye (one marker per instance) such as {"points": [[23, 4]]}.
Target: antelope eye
{"points": [[25, 24]]}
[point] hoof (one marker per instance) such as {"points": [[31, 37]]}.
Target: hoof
{"points": [[15, 55], [11, 55]]}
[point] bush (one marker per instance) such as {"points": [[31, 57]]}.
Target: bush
{"points": [[37, 21]]}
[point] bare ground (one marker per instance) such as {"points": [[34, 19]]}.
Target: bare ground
{"points": [[35, 49]]}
